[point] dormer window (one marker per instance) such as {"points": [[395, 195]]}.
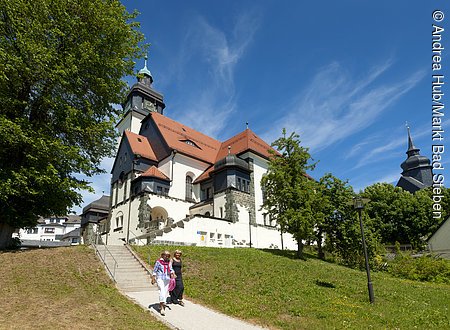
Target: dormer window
{"points": [[191, 143]]}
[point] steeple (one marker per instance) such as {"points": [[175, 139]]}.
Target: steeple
{"points": [[144, 74], [412, 150], [141, 101], [417, 172]]}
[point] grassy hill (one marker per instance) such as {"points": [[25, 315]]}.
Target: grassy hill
{"points": [[68, 288], [64, 288], [273, 289]]}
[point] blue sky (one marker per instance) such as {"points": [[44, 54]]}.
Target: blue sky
{"points": [[344, 75]]}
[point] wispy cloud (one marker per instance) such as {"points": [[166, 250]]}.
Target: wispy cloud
{"points": [[376, 149], [336, 105], [361, 182], [210, 109]]}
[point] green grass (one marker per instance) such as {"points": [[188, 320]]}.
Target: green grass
{"points": [[64, 288], [273, 289]]}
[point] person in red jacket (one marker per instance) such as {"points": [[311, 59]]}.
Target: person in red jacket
{"points": [[162, 273]]}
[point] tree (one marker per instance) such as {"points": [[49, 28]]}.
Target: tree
{"points": [[399, 216], [61, 64], [289, 191], [335, 204]]}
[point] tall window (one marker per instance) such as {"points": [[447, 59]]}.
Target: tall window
{"points": [[188, 188], [125, 188]]}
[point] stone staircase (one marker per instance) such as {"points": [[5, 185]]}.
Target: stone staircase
{"points": [[124, 266]]}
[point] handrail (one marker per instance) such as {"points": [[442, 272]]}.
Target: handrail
{"points": [[103, 259]]}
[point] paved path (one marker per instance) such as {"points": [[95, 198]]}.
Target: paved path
{"points": [[191, 316]]}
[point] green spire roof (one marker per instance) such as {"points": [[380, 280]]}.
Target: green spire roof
{"points": [[145, 70]]}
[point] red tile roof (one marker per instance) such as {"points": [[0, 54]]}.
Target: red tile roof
{"points": [[140, 145], [242, 142], [153, 172], [186, 140], [204, 175]]}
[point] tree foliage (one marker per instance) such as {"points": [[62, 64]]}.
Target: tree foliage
{"points": [[289, 191], [61, 69], [399, 216]]}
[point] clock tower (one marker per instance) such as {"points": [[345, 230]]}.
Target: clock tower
{"points": [[141, 100]]}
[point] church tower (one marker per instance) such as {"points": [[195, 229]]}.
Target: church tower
{"points": [[141, 100], [417, 173]]}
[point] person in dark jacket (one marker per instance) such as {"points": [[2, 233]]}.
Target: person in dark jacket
{"points": [[176, 295]]}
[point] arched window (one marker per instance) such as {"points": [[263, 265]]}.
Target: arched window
{"points": [[188, 188]]}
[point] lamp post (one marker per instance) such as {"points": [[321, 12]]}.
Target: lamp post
{"points": [[358, 204], [250, 226]]}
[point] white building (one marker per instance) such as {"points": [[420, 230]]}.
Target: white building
{"points": [[51, 229], [172, 184]]}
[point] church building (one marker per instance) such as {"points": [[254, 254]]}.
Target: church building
{"points": [[417, 171], [171, 184]]}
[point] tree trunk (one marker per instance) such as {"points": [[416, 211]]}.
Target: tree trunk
{"points": [[320, 253], [6, 232], [281, 233], [300, 249]]}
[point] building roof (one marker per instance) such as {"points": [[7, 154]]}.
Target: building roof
{"points": [[101, 204], [205, 175], [186, 140], [72, 218], [140, 146], [247, 140], [145, 70], [190, 142], [72, 233], [410, 184], [417, 171], [153, 172]]}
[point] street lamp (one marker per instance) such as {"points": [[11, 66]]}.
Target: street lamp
{"points": [[250, 226], [358, 204]]}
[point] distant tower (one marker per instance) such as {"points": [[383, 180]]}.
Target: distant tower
{"points": [[141, 100], [417, 173]]}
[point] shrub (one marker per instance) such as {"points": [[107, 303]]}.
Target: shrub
{"points": [[426, 268]]}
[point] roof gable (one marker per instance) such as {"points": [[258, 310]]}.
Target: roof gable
{"points": [[205, 175], [153, 172], [140, 145], [185, 139], [244, 141]]}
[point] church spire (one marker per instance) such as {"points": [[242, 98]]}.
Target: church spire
{"points": [[412, 150], [147, 78], [417, 173]]}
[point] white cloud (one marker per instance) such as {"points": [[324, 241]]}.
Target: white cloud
{"points": [[210, 107], [336, 105], [376, 149], [360, 183]]}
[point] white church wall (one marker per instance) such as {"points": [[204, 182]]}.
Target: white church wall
{"points": [[219, 205], [165, 166], [119, 217], [219, 233], [182, 166]]}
